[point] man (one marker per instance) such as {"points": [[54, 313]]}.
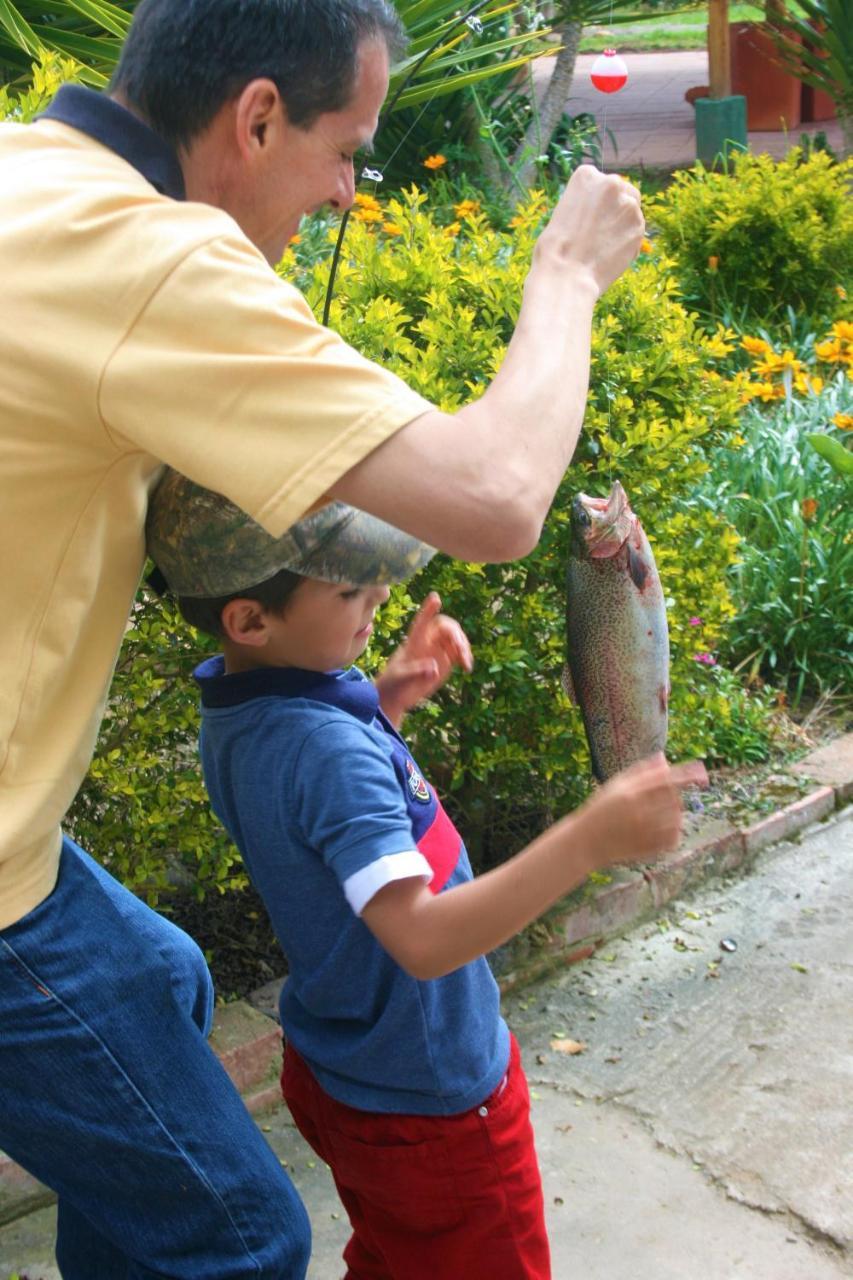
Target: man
{"points": [[142, 325]]}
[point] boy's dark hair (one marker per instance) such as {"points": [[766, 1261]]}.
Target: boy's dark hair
{"points": [[183, 60], [205, 612]]}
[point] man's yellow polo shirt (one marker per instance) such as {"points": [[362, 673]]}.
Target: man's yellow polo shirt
{"points": [[135, 330]]}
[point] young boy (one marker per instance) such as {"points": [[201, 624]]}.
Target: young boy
{"points": [[399, 1069]]}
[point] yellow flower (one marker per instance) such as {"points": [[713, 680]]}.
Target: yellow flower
{"points": [[808, 507], [453, 229], [775, 363], [466, 208], [368, 215], [757, 391], [829, 351], [755, 346], [365, 201], [297, 239], [843, 420], [766, 391], [435, 162], [391, 229], [841, 291], [645, 245], [717, 347], [843, 329], [713, 263], [516, 221]]}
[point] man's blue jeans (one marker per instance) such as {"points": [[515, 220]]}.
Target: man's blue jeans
{"points": [[110, 1094]]}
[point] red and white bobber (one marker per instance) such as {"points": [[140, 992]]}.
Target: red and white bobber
{"points": [[609, 73]]}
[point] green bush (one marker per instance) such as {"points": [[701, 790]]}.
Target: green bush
{"points": [[767, 236], [504, 742]]}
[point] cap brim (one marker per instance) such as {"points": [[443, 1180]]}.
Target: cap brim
{"points": [[206, 547]]}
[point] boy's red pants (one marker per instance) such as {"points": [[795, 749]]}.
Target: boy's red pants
{"points": [[431, 1197]]}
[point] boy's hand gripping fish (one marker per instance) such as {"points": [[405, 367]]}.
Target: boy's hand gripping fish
{"points": [[618, 645]]}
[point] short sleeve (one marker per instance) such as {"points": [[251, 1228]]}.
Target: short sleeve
{"points": [[346, 800], [226, 376]]}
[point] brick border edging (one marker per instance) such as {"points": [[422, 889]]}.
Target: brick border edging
{"points": [[578, 929], [250, 1048]]}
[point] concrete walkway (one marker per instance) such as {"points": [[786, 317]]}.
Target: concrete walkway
{"points": [[648, 124]]}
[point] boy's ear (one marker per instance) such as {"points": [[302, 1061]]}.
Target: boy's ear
{"points": [[245, 622]]}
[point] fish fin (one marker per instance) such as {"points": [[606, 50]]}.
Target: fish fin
{"points": [[637, 568], [568, 684]]}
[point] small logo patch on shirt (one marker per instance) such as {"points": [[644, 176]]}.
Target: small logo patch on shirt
{"points": [[417, 785]]}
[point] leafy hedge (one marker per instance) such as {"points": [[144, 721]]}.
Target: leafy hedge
{"points": [[505, 740], [764, 239]]}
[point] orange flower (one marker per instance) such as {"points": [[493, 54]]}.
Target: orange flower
{"points": [[466, 208], [808, 507], [843, 420], [841, 291], [435, 162], [713, 263], [391, 229], [297, 239], [645, 245], [453, 229], [365, 201]]}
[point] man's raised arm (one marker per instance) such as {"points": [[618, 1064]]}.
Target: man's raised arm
{"points": [[478, 484]]}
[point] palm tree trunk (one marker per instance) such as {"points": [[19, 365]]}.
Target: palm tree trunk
{"points": [[546, 116], [845, 119]]}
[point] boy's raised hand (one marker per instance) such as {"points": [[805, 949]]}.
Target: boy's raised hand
{"points": [[434, 645]]}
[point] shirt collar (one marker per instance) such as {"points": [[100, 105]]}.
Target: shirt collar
{"points": [[117, 128], [349, 689]]}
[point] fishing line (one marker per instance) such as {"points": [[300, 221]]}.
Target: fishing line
{"points": [[475, 25], [608, 389]]}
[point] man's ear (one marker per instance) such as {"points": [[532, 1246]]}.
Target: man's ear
{"points": [[245, 622], [259, 114]]}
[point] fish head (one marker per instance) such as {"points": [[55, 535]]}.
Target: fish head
{"points": [[601, 526]]}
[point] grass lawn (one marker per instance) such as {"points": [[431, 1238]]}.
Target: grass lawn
{"points": [[686, 30]]}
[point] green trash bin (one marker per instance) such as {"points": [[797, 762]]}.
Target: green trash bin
{"points": [[720, 128]]}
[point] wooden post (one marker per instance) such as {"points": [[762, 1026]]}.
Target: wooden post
{"points": [[719, 51]]}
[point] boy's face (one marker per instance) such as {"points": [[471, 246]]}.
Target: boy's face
{"points": [[323, 626]]}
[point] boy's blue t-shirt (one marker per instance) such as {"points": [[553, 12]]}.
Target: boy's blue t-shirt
{"points": [[314, 785]]}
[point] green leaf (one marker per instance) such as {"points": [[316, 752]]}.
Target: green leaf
{"points": [[833, 452]]}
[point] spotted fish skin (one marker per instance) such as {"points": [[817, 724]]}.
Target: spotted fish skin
{"points": [[617, 666]]}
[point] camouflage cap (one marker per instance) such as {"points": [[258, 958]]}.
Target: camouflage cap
{"points": [[205, 546]]}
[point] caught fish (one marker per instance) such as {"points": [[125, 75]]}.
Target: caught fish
{"points": [[617, 668]]}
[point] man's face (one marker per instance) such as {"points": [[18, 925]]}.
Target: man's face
{"points": [[305, 169]]}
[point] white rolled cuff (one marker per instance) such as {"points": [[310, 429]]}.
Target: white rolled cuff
{"points": [[366, 883]]}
